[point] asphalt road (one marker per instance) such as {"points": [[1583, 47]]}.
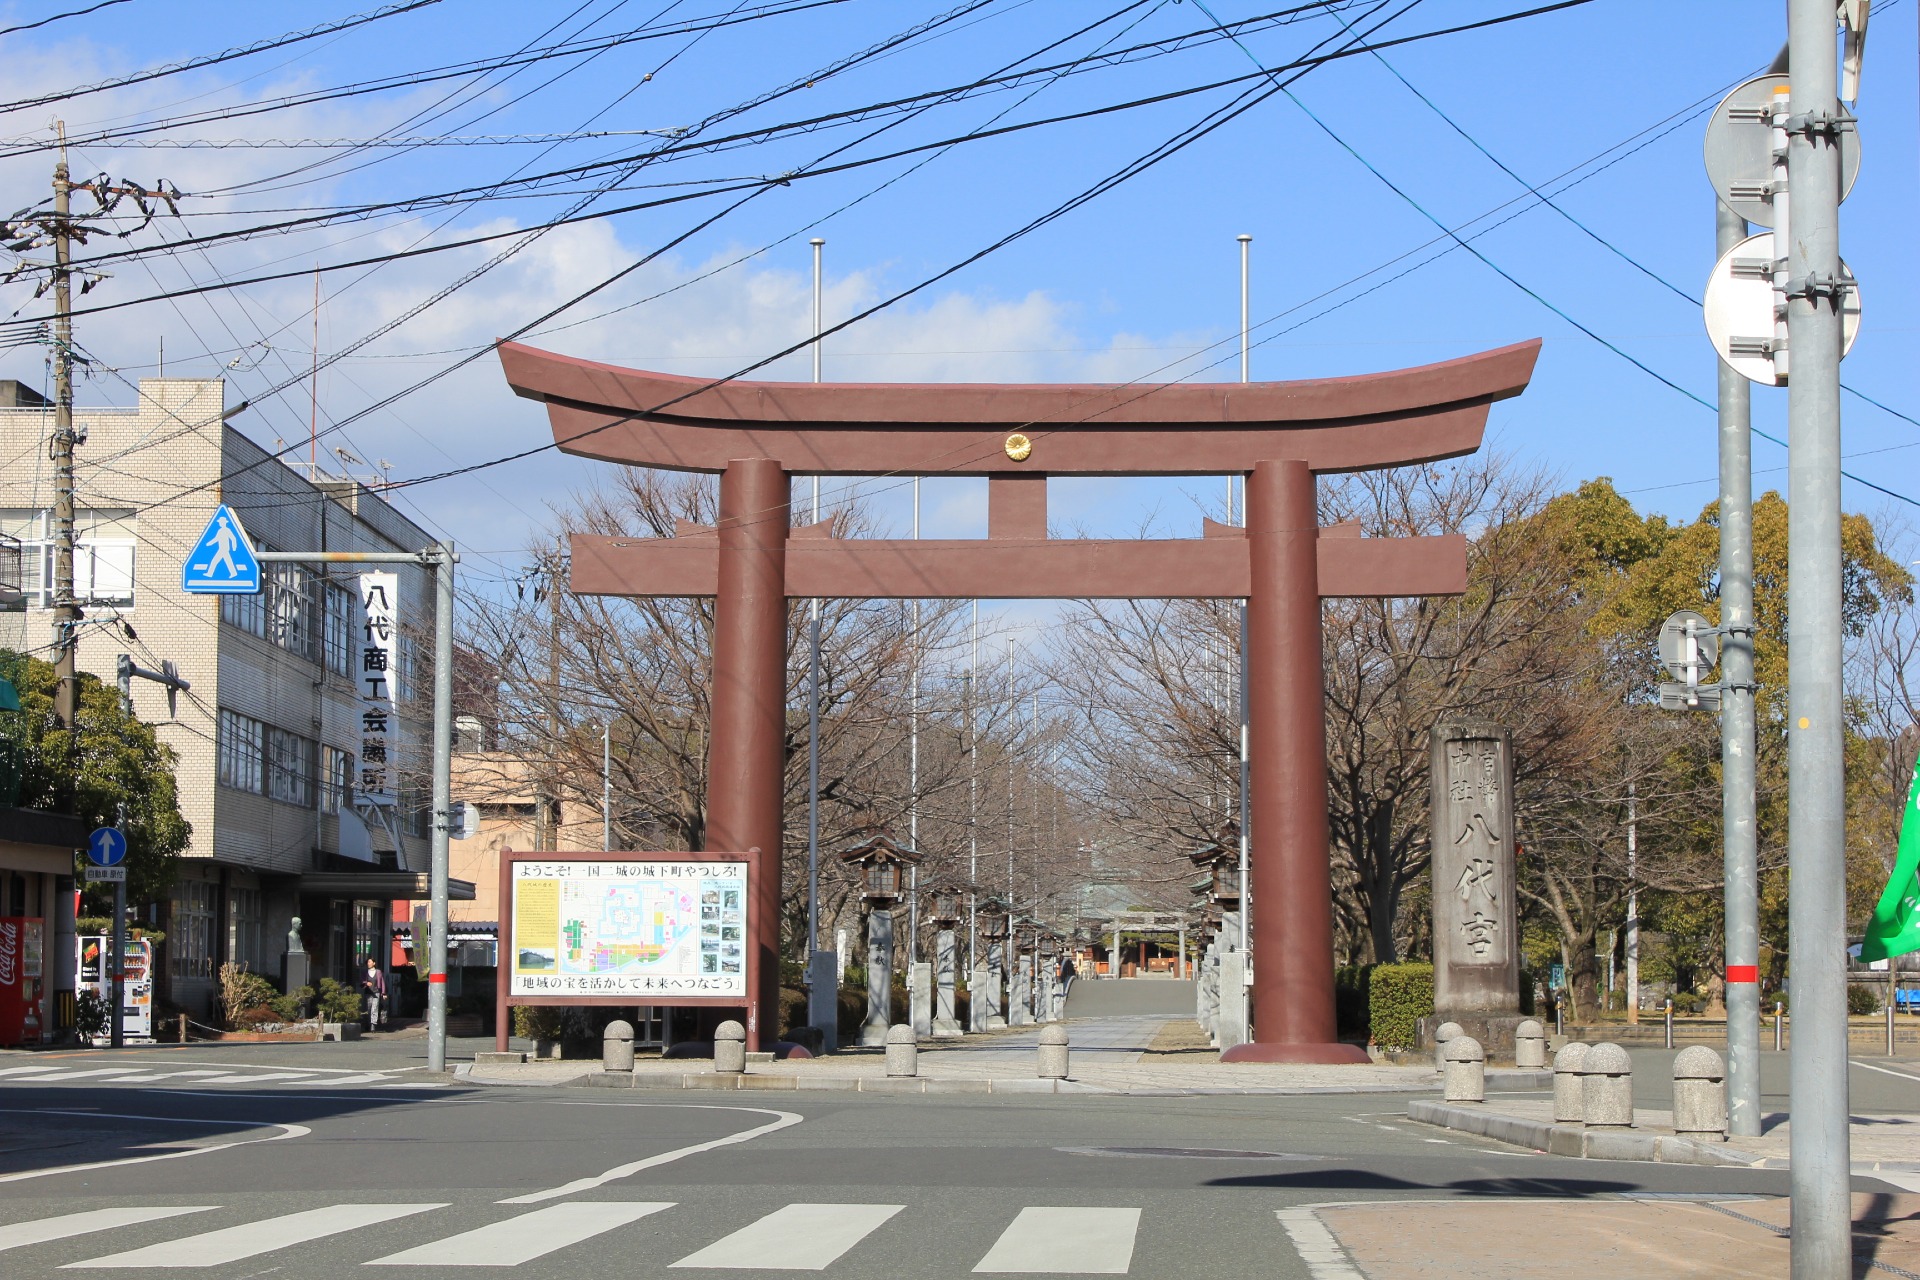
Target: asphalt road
{"points": [[316, 1181]]}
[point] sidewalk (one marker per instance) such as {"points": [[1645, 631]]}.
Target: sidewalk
{"points": [[1646, 1237], [1108, 1055]]}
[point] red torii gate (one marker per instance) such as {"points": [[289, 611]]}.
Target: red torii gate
{"points": [[757, 435]]}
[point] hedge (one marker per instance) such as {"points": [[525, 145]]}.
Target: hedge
{"points": [[1399, 995], [1350, 987]]}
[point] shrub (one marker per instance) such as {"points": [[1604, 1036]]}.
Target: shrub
{"points": [[1398, 996], [1350, 998], [1862, 999], [1688, 1002], [242, 992], [292, 1007], [538, 1021], [338, 1003], [90, 1015]]}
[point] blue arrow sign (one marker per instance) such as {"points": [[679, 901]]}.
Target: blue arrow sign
{"points": [[223, 561], [107, 847]]}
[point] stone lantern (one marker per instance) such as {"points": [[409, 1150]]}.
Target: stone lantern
{"points": [[1220, 858], [881, 862], [945, 914]]}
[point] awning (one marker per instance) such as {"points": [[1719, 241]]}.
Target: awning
{"points": [[380, 886]]}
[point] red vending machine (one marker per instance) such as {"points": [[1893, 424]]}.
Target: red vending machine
{"points": [[22, 985]]}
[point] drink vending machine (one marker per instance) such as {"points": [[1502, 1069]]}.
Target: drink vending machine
{"points": [[23, 1013], [136, 1010]]}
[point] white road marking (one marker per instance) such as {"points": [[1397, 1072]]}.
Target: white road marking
{"points": [[16, 1235], [522, 1239], [249, 1239], [1885, 1071], [1063, 1241], [800, 1237], [50, 1074], [286, 1131], [249, 1077], [23, 1071], [365, 1077], [1324, 1257], [782, 1120]]}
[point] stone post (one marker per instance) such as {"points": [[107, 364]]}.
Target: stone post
{"points": [[946, 963], [1476, 972], [1530, 1046], [1020, 993], [1466, 1070], [996, 986], [1569, 1090], [979, 997], [903, 1052], [1207, 993], [1700, 1094], [616, 1046], [730, 1048], [1052, 1059], [1445, 1032], [920, 999], [1606, 1095], [879, 975], [1232, 995]]}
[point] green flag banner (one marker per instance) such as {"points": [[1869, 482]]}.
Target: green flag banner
{"points": [[1895, 927]]}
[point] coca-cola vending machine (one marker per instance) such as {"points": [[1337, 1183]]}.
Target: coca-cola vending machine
{"points": [[22, 985]]}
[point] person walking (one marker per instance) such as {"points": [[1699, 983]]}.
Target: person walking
{"points": [[374, 986]]}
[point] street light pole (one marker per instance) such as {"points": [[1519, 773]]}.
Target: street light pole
{"points": [[1816, 795]]}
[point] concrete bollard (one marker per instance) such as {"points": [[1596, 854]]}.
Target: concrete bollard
{"points": [[903, 1052], [1466, 1070], [730, 1048], [1569, 1065], [1700, 1095], [1606, 1095], [1530, 1046], [1053, 1053], [616, 1046], [1444, 1032]]}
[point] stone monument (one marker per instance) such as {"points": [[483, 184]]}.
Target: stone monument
{"points": [[1476, 944], [945, 970], [879, 975]]}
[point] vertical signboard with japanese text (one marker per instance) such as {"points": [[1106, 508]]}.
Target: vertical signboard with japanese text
{"points": [[374, 671], [1475, 945]]}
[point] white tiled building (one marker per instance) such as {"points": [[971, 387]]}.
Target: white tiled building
{"points": [[269, 737]]}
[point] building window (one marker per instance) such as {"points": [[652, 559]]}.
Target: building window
{"points": [[245, 919], [291, 608], [242, 751], [370, 933], [103, 555], [339, 629], [290, 767], [245, 612], [190, 941], [336, 780]]}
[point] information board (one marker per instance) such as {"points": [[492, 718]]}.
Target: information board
{"points": [[652, 928]]}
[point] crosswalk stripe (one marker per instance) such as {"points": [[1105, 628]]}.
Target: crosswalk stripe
{"points": [[212, 1248], [17, 1235], [1063, 1241], [332, 1082], [529, 1236], [800, 1237], [50, 1074], [255, 1077], [24, 1071]]}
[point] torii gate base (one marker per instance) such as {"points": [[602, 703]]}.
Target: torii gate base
{"points": [[1280, 435]]}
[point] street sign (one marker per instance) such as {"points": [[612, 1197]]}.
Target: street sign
{"points": [[1688, 651], [222, 562], [106, 847], [1740, 151], [1741, 310], [1684, 697], [106, 875]]}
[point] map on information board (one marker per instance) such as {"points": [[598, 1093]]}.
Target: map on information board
{"points": [[618, 927]]}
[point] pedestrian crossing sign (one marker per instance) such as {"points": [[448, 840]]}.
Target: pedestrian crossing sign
{"points": [[222, 562]]}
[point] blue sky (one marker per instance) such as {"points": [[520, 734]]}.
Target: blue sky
{"points": [[1131, 285]]}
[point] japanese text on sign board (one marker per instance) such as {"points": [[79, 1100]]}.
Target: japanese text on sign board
{"points": [[373, 670]]}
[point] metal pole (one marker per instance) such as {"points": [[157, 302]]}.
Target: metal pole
{"points": [[117, 965], [973, 754], [66, 610], [442, 806], [1246, 243], [1779, 1013], [813, 678], [1738, 825], [913, 755], [1245, 825], [1633, 907], [1816, 658], [1013, 726], [1669, 1015], [606, 786]]}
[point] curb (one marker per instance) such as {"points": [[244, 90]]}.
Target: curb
{"points": [[1577, 1141], [806, 1084]]}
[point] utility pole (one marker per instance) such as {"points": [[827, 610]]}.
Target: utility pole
{"points": [[1822, 1247], [66, 609], [1739, 846], [1633, 905]]}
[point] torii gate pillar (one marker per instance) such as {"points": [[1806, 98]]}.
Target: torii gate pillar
{"points": [[1293, 1009], [746, 765]]}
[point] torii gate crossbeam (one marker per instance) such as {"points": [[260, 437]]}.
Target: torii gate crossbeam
{"points": [[757, 435]]}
